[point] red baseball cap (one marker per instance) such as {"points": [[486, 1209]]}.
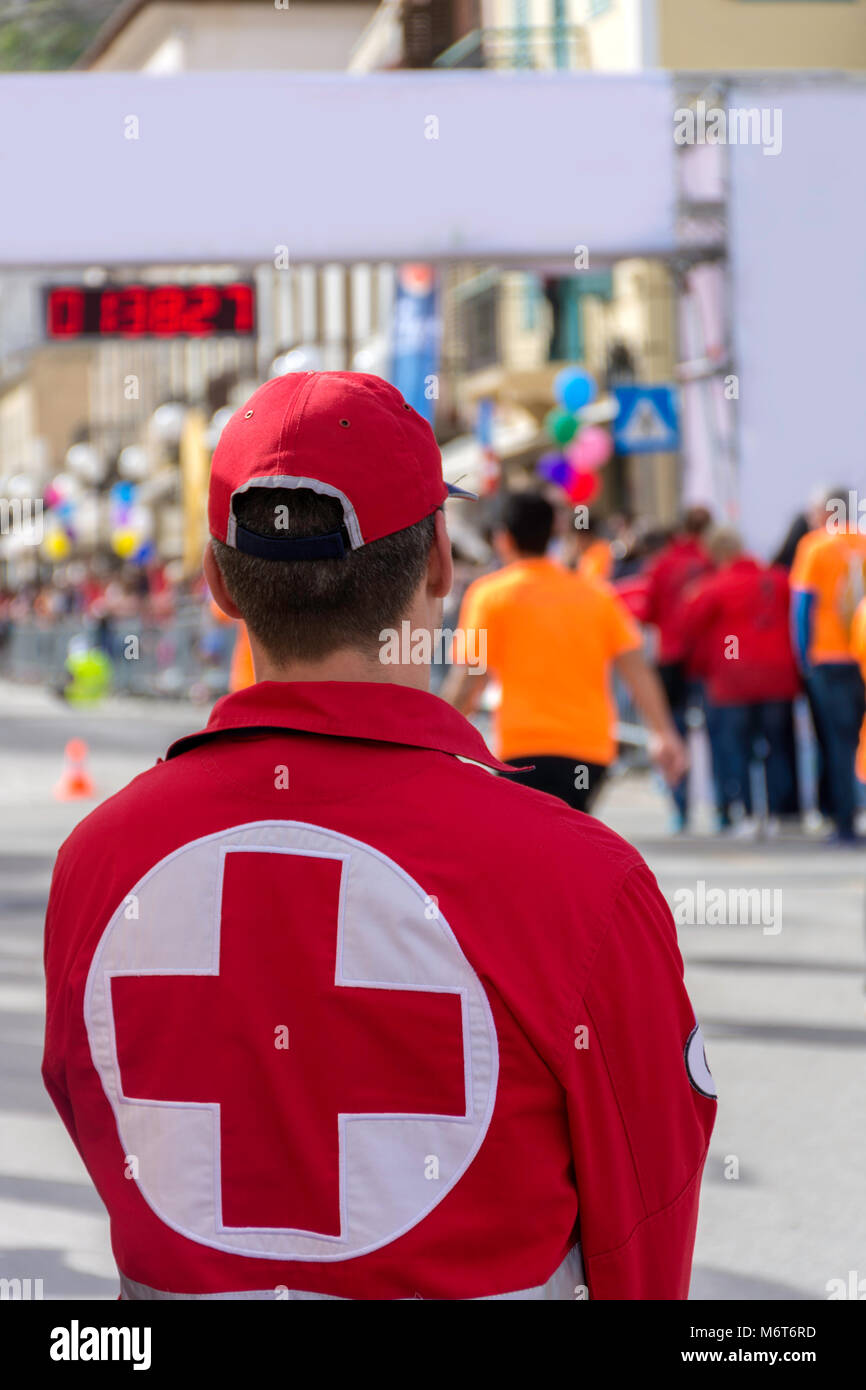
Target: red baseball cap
{"points": [[346, 434]]}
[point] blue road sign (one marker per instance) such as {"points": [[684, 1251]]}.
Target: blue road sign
{"points": [[647, 422]]}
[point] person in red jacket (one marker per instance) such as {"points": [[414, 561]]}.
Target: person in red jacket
{"points": [[677, 566], [738, 620], [333, 1012]]}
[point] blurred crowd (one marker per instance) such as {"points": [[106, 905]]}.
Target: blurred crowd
{"points": [[103, 590], [767, 657], [739, 644]]}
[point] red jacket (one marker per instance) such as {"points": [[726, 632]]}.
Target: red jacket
{"points": [[634, 592], [682, 561], [736, 623], [333, 1011]]}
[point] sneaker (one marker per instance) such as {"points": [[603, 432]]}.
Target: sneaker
{"points": [[745, 829], [846, 840]]}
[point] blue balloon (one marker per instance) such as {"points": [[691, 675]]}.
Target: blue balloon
{"points": [[123, 494], [574, 388], [144, 554]]}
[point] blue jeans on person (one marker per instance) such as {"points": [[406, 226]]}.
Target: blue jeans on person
{"points": [[743, 734], [838, 690]]}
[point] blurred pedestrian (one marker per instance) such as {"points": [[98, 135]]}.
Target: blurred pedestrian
{"points": [[678, 565], [737, 617], [858, 651], [827, 588], [553, 639], [594, 555], [241, 673], [805, 530]]}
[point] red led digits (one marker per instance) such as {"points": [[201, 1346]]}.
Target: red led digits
{"points": [[165, 308], [65, 313], [109, 312], [242, 298], [203, 303], [132, 311], [149, 311]]}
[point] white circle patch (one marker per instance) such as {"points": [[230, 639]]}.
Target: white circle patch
{"points": [[387, 938], [696, 1064]]}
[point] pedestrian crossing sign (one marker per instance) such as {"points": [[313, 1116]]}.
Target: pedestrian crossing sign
{"points": [[647, 422]]}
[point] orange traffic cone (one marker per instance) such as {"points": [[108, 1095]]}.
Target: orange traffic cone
{"points": [[75, 782]]}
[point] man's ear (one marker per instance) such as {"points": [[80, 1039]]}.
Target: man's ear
{"points": [[216, 584], [440, 566]]}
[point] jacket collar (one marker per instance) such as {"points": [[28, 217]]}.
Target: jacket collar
{"points": [[379, 712]]}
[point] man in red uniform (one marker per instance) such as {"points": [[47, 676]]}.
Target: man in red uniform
{"points": [[677, 566], [333, 1012], [737, 620]]}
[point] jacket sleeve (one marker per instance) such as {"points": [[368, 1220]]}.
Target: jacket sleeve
{"points": [[640, 1125], [56, 968]]}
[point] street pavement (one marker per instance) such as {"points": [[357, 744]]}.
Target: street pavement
{"points": [[780, 1000]]}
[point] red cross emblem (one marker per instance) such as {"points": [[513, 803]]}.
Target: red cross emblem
{"points": [[352, 1050]]}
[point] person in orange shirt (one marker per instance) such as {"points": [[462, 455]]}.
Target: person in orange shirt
{"points": [[813, 519], [594, 555], [827, 588], [553, 639]]}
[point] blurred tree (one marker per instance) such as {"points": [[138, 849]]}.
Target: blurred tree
{"points": [[48, 35]]}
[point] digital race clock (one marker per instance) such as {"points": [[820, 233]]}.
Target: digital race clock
{"points": [[149, 311]]}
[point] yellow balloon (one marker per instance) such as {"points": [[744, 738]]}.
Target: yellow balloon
{"points": [[125, 542], [56, 545]]}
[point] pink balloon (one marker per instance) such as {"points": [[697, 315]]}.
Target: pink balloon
{"points": [[591, 450]]}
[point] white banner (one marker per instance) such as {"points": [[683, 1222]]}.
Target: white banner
{"points": [[104, 168]]}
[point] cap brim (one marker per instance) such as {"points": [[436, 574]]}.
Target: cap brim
{"points": [[455, 491]]}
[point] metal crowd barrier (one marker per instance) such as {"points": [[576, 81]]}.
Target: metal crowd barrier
{"points": [[148, 658]]}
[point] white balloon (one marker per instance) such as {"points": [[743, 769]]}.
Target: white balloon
{"points": [[300, 359], [85, 462], [140, 520], [167, 422], [22, 486], [87, 518], [66, 485], [133, 462]]}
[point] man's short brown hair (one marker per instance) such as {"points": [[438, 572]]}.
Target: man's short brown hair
{"points": [[303, 610]]}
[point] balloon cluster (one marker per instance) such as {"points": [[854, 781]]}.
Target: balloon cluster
{"points": [[61, 497], [583, 449], [130, 524]]}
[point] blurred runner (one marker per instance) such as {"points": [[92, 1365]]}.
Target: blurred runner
{"points": [[594, 555], [679, 563], [812, 528], [553, 639], [737, 618], [88, 674], [827, 589]]}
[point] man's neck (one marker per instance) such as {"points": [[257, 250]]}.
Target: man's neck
{"points": [[350, 664]]}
